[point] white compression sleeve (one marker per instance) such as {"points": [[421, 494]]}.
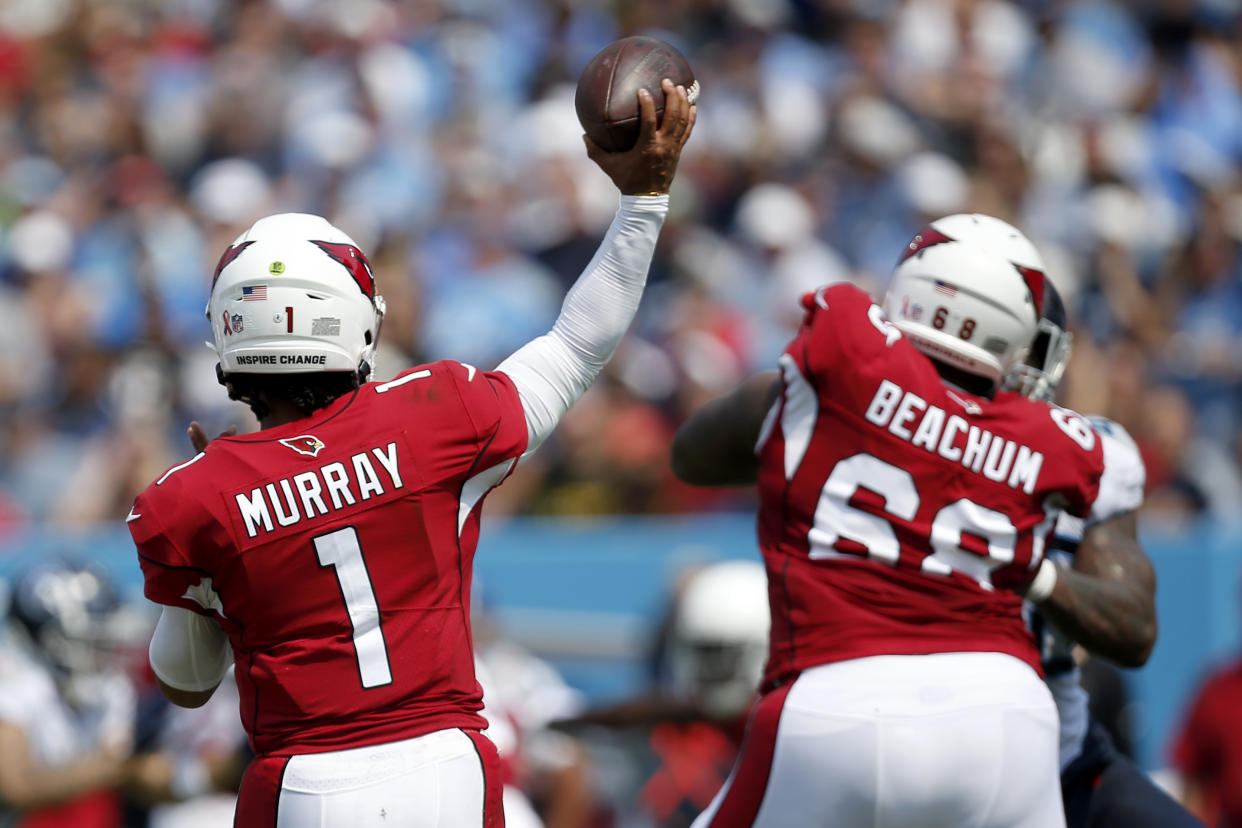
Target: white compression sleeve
{"points": [[189, 651], [553, 371]]}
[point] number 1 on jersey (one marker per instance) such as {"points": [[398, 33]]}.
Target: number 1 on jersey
{"points": [[341, 551]]}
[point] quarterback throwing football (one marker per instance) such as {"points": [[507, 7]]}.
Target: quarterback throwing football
{"points": [[329, 555]]}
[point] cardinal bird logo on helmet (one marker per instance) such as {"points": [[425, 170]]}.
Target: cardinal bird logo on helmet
{"points": [[927, 237], [355, 261], [307, 444], [227, 259], [1034, 278]]}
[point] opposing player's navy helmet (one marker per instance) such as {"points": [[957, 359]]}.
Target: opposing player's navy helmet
{"points": [[71, 613]]}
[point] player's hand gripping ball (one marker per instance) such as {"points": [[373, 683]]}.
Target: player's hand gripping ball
{"points": [[607, 98]]}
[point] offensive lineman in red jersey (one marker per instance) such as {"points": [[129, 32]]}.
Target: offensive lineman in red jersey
{"points": [[331, 551], [905, 501]]}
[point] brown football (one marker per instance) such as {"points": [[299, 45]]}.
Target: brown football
{"points": [[607, 97]]}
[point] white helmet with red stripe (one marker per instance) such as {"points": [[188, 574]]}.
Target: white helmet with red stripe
{"points": [[968, 292], [292, 295]]}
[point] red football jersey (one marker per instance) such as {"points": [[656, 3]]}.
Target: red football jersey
{"points": [[894, 508], [336, 552]]}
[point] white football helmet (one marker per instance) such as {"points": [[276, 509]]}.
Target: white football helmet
{"points": [[720, 637], [968, 292], [293, 294]]}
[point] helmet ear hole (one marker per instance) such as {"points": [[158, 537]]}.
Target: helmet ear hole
{"points": [[366, 337], [1038, 354]]}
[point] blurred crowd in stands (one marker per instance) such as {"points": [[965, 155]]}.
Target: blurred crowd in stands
{"points": [[137, 138]]}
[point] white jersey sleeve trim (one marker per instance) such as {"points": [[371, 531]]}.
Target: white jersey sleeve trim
{"points": [[553, 371], [799, 415], [189, 651], [178, 468], [1121, 485], [476, 487]]}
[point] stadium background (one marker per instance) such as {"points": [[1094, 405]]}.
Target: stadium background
{"points": [[138, 138]]}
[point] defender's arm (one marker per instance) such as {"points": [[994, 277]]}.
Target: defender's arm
{"points": [[1107, 600], [716, 446]]}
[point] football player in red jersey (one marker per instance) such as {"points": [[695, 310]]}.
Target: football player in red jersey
{"points": [[329, 554], [905, 501]]}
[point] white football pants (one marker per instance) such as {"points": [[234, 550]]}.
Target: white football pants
{"points": [[950, 740], [432, 781]]}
